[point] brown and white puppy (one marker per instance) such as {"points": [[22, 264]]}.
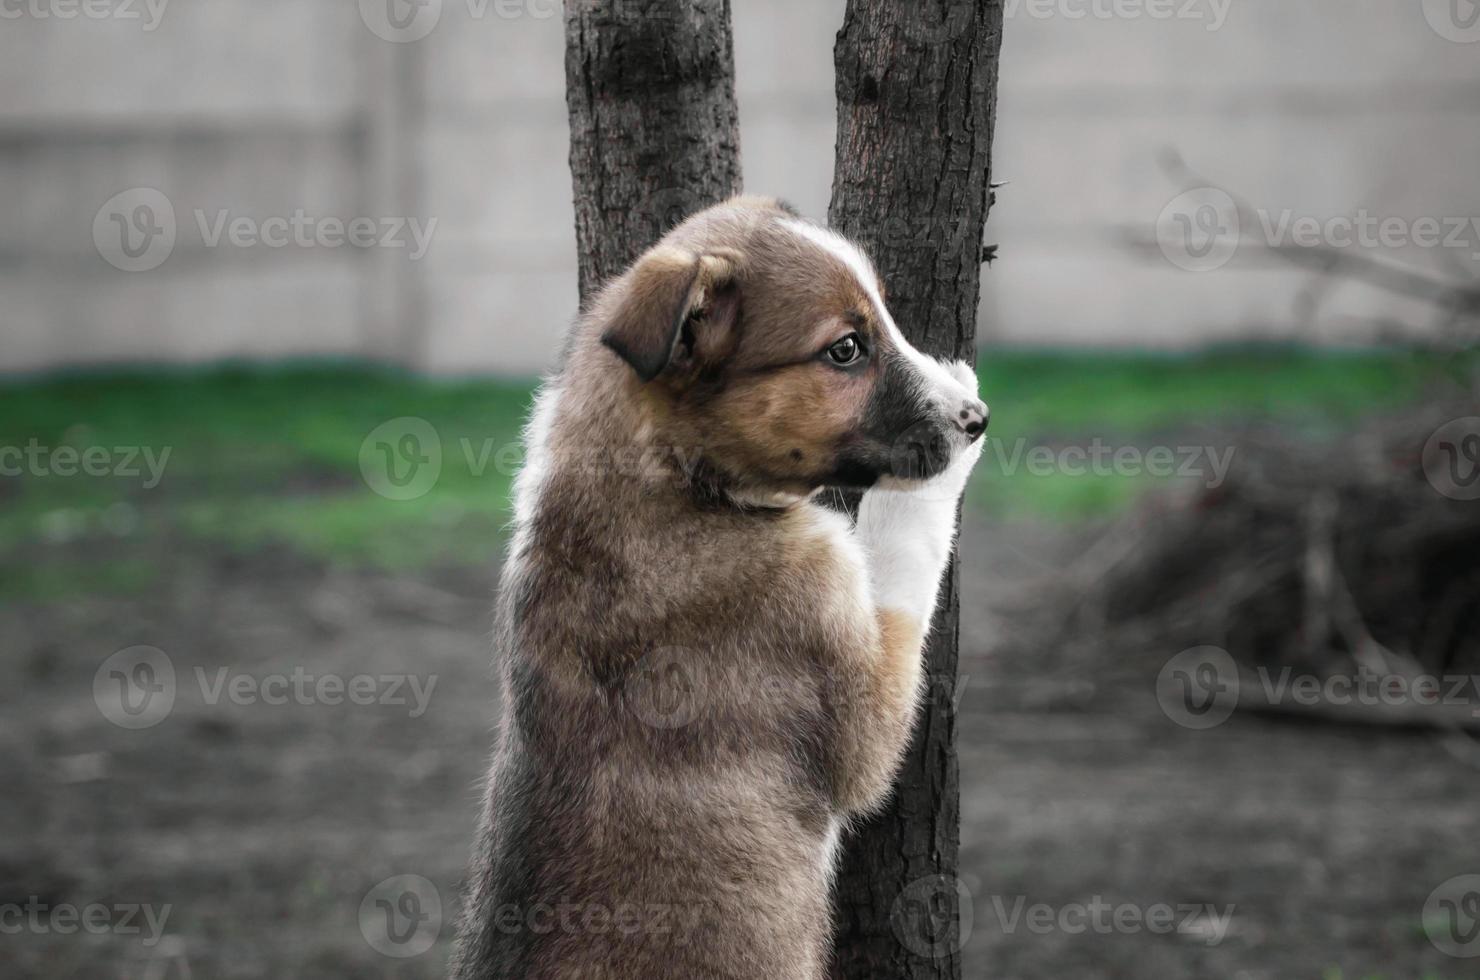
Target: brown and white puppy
{"points": [[705, 673]]}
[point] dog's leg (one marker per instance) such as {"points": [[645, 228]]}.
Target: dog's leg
{"points": [[906, 534]]}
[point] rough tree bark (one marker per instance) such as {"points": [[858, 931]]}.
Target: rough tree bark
{"points": [[917, 87], [654, 134]]}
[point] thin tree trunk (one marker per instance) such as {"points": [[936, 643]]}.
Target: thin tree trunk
{"points": [[917, 88], [654, 134]]}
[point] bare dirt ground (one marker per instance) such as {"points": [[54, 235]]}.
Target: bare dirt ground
{"points": [[259, 832]]}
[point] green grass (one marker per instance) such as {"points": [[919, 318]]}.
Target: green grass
{"points": [[61, 577], [267, 457], [1178, 402], [274, 457]]}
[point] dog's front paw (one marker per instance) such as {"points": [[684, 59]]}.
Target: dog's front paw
{"points": [[968, 440], [966, 460], [949, 481], [964, 375], [953, 481]]}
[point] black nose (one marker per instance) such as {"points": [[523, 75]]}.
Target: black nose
{"points": [[972, 418]]}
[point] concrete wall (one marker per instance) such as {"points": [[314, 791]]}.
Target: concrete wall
{"points": [[262, 109]]}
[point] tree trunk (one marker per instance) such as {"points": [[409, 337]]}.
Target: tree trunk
{"points": [[654, 134], [917, 88]]}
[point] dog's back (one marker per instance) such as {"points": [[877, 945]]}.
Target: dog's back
{"points": [[657, 806]]}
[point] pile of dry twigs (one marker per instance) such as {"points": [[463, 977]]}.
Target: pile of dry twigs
{"points": [[1317, 556]]}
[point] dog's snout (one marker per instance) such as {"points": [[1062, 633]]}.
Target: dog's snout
{"points": [[972, 418]]}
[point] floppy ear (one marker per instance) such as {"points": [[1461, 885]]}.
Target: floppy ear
{"points": [[667, 291]]}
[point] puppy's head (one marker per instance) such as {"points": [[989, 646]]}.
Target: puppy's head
{"points": [[767, 345]]}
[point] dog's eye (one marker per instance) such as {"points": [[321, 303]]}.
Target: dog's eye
{"points": [[846, 351]]}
